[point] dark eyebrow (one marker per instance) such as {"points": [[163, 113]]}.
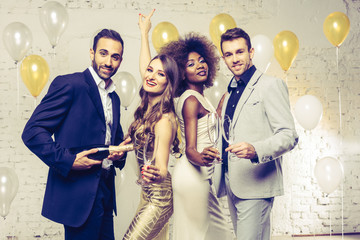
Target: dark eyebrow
{"points": [[116, 54]]}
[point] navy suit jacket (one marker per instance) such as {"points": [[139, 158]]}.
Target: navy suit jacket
{"points": [[72, 112]]}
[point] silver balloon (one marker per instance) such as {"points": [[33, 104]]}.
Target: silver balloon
{"points": [[215, 93], [264, 50], [308, 111], [17, 39], [54, 19], [329, 173], [126, 87], [9, 185]]}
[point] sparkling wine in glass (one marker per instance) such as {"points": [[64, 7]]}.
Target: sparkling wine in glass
{"points": [[149, 153], [228, 132], [213, 125]]}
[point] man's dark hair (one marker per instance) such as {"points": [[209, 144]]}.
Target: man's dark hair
{"points": [[235, 33], [107, 33]]}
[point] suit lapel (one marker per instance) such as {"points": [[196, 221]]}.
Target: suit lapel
{"points": [[116, 115], [94, 94], [246, 94]]}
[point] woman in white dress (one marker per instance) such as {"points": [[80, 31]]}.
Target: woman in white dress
{"points": [[197, 212]]}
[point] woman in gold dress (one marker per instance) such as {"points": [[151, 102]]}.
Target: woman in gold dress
{"points": [[198, 214], [155, 116]]}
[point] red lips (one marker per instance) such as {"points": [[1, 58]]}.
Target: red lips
{"points": [[150, 83]]}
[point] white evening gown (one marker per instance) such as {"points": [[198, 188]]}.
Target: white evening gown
{"points": [[197, 212]]}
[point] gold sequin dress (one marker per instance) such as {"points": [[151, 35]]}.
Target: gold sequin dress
{"points": [[155, 209]]}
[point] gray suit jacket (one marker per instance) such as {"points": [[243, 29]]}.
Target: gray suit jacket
{"points": [[262, 118]]}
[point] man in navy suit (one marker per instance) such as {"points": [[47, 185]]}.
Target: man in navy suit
{"points": [[79, 110]]}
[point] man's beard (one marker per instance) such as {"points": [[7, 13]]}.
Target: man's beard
{"points": [[103, 76]]}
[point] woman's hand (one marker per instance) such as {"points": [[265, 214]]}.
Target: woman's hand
{"points": [[208, 155], [151, 174], [115, 156], [145, 56], [145, 23]]}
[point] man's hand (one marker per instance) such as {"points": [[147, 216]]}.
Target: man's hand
{"points": [[242, 150], [82, 162], [118, 155]]}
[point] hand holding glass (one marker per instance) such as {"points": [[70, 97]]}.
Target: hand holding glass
{"points": [[213, 125], [149, 153], [228, 133]]}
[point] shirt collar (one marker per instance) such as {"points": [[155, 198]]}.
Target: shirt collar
{"points": [[245, 78], [100, 82]]}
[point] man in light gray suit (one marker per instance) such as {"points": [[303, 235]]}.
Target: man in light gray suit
{"points": [[263, 130]]}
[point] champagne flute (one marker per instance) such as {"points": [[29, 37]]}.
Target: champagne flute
{"points": [[228, 132], [213, 126], [149, 153]]}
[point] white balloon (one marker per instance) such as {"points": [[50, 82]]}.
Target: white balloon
{"points": [[17, 39], [329, 173], [308, 111], [126, 87], [9, 184], [264, 50], [214, 93], [54, 19]]}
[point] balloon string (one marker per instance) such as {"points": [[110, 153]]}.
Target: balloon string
{"points": [[53, 53], [341, 142], [286, 78], [342, 210], [330, 219], [18, 88], [339, 95], [292, 205]]}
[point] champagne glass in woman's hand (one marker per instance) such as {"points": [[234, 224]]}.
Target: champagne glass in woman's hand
{"points": [[228, 132], [149, 153], [213, 125]]}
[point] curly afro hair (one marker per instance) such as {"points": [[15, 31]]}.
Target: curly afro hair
{"points": [[193, 42]]}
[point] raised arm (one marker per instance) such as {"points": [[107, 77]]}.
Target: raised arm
{"points": [[145, 56]]}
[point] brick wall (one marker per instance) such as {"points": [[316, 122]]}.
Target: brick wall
{"points": [[304, 209]]}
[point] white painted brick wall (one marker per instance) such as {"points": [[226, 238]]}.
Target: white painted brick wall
{"points": [[304, 209]]}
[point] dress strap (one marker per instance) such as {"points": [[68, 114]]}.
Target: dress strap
{"points": [[203, 101]]}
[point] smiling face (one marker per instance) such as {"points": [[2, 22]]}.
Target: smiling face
{"points": [[196, 70], [155, 80], [237, 56], [106, 58]]}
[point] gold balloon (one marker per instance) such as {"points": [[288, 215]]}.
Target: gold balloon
{"points": [[34, 72], [286, 47], [218, 25], [336, 28], [164, 33]]}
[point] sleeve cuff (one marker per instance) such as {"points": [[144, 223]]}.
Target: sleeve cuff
{"points": [[255, 160]]}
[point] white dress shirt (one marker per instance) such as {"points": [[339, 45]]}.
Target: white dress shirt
{"points": [[107, 106]]}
